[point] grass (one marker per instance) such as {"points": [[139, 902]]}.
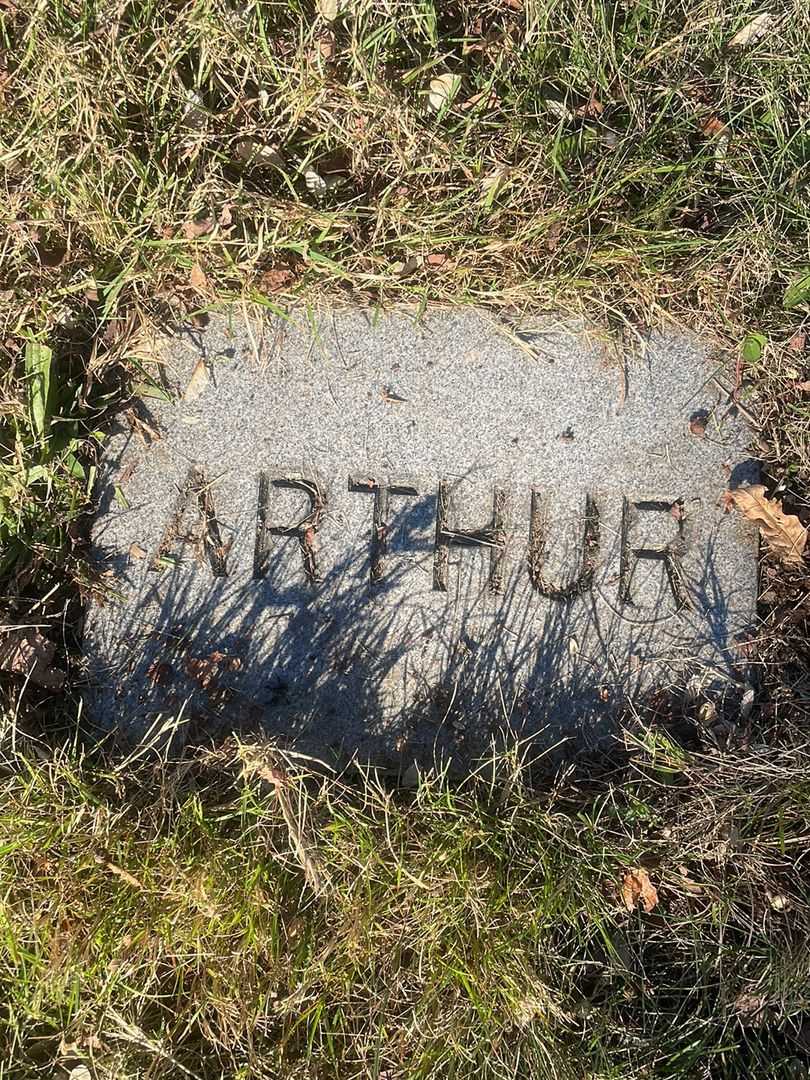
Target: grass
{"points": [[166, 920], [622, 160], [161, 158]]}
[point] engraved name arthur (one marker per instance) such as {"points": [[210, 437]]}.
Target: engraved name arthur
{"points": [[451, 530]]}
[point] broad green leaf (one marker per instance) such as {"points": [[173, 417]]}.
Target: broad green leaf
{"points": [[752, 347], [35, 474], [798, 290], [38, 371], [74, 466], [151, 390]]}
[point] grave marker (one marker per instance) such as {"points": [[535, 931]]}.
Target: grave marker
{"points": [[390, 537]]}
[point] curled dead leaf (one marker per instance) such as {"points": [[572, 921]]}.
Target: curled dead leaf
{"points": [[254, 152], [637, 888], [198, 278], [329, 9], [198, 381], [24, 651], [784, 533], [442, 90], [753, 31]]}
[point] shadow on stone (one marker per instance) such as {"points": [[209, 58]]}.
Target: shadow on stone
{"points": [[323, 669]]}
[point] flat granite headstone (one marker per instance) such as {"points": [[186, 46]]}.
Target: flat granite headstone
{"points": [[393, 538]]}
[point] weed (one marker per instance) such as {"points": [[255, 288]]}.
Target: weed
{"points": [[163, 918]]}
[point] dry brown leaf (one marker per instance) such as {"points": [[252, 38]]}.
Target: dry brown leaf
{"points": [[785, 534], [329, 9], [204, 672], [273, 280], [253, 152], [803, 386], [159, 673], [637, 887], [553, 234], [488, 98], [198, 381], [753, 31], [435, 260], [443, 88], [592, 108], [750, 1008], [713, 126], [198, 278], [24, 651], [197, 227], [226, 662], [137, 551], [798, 341]]}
